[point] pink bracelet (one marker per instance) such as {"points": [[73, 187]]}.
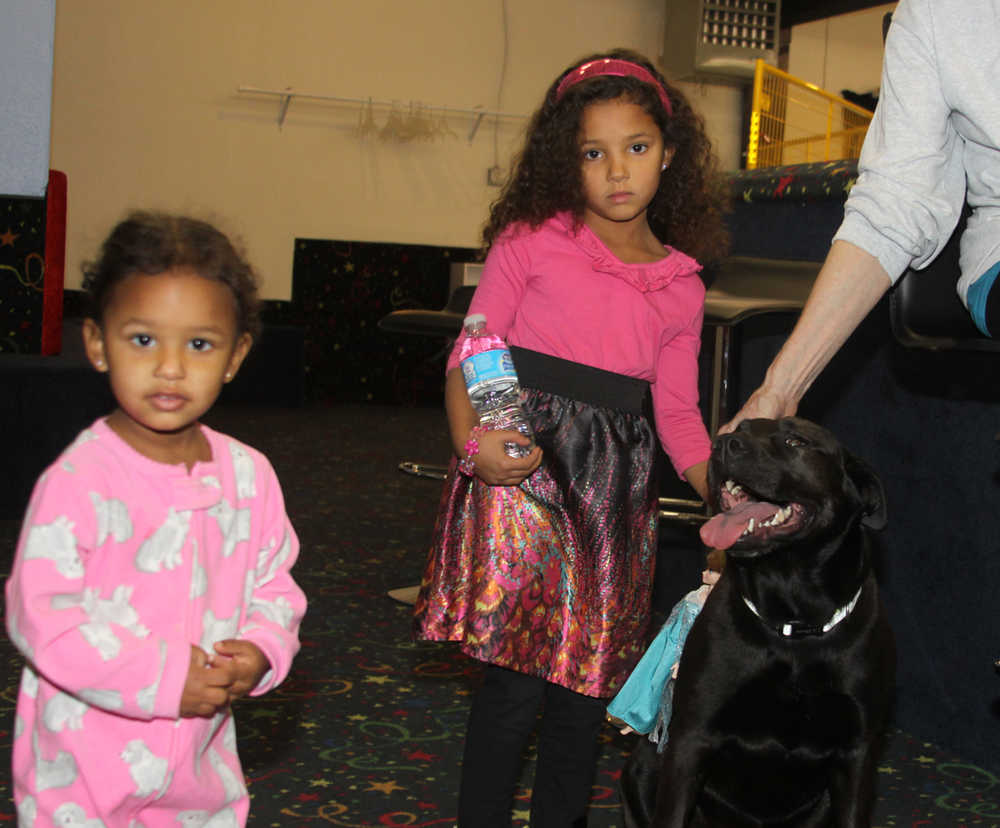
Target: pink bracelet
{"points": [[467, 465]]}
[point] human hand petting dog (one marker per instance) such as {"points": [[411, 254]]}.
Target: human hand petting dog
{"points": [[762, 403]]}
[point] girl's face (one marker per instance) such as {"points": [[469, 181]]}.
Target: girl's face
{"points": [[168, 343], [622, 159]]}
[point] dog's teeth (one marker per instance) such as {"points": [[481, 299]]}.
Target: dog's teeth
{"points": [[750, 525]]}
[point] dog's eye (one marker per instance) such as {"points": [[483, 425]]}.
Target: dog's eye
{"points": [[794, 441]]}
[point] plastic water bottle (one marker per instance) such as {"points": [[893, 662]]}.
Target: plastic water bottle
{"points": [[492, 383]]}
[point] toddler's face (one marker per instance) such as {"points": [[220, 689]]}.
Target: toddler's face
{"points": [[168, 342]]}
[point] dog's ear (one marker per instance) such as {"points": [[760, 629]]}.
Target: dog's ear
{"points": [[870, 489]]}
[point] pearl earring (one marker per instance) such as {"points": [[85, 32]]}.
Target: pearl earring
{"points": [[663, 167]]}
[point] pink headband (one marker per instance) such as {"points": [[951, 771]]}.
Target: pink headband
{"points": [[619, 68]]}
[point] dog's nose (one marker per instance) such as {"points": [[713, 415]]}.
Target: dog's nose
{"points": [[731, 445]]}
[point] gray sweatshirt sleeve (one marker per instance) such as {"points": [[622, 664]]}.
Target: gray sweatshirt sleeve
{"points": [[911, 182]]}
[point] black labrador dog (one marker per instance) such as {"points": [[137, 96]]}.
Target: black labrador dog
{"points": [[787, 676]]}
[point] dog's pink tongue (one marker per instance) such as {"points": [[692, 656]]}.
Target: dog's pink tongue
{"points": [[722, 531]]}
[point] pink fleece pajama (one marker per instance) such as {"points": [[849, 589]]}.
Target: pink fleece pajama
{"points": [[124, 563]]}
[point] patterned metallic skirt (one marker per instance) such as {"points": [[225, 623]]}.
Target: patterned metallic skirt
{"points": [[553, 577]]}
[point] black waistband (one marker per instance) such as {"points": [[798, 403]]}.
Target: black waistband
{"points": [[594, 386]]}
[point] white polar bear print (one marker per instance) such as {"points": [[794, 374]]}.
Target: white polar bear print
{"points": [[216, 629], [101, 615], [27, 811], [56, 542], [279, 611], [29, 682], [249, 584], [146, 697], [84, 436], [52, 773], [163, 547], [226, 818], [17, 639], [277, 561], [217, 721], [229, 735], [112, 518], [232, 785], [148, 771], [246, 484], [63, 712], [71, 815], [234, 524], [199, 577], [103, 698]]}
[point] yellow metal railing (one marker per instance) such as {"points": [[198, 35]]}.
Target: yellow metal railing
{"points": [[795, 122]]}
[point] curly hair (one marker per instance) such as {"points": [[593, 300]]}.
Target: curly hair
{"points": [[150, 243], [687, 210]]}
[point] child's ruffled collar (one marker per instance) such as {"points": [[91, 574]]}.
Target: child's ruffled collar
{"points": [[644, 277]]}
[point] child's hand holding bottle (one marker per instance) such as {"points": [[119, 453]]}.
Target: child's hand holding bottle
{"points": [[492, 463]]}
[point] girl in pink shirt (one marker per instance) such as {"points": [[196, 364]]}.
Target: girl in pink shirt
{"points": [[541, 566], [152, 583]]}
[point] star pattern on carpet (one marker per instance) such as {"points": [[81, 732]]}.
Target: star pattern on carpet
{"points": [[385, 787], [7, 239]]}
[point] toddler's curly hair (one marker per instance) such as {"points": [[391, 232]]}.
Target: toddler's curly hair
{"points": [[152, 242]]}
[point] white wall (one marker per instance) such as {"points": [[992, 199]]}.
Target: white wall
{"points": [[145, 112], [842, 52]]}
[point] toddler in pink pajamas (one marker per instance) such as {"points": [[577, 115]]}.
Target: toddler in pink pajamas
{"points": [[152, 584]]}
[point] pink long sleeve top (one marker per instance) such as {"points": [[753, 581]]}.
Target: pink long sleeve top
{"points": [[562, 292], [123, 563]]}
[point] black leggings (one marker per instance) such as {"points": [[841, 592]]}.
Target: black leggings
{"points": [[504, 713]]}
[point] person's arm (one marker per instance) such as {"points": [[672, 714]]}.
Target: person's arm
{"points": [[276, 603], [848, 286], [75, 631], [697, 476], [680, 425]]}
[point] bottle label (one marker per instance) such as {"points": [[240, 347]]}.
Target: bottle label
{"points": [[488, 366]]}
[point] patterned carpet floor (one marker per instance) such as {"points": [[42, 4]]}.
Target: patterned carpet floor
{"points": [[368, 729]]}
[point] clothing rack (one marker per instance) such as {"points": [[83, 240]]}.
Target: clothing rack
{"points": [[286, 95]]}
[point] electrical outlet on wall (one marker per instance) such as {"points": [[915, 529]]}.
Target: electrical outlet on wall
{"points": [[494, 176]]}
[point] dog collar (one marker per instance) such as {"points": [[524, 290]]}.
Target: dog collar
{"points": [[793, 629]]}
